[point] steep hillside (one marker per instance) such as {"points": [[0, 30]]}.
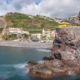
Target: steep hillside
{"points": [[29, 22], [2, 23]]}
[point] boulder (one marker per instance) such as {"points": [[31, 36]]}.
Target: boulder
{"points": [[33, 62], [57, 63], [65, 56]]}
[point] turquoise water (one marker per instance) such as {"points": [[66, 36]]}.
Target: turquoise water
{"points": [[12, 61]]}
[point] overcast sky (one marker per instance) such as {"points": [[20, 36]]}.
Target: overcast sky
{"points": [[51, 8]]}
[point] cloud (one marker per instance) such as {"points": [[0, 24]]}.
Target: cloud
{"points": [[60, 8], [51, 8], [19, 4]]}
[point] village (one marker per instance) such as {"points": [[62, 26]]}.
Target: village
{"points": [[45, 35]]}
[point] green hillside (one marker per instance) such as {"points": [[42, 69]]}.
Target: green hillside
{"points": [[29, 22]]}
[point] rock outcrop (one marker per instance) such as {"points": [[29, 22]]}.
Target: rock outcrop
{"points": [[2, 22], [64, 58]]}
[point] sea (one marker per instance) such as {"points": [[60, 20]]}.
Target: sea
{"points": [[13, 60]]}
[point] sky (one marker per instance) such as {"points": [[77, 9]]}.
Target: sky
{"points": [[50, 8]]}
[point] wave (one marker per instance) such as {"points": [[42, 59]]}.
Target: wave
{"points": [[3, 77], [16, 66], [40, 61], [43, 50], [20, 70], [8, 71], [19, 66]]}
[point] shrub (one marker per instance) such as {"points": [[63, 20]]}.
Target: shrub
{"points": [[12, 36], [1, 29], [5, 37], [36, 31], [26, 36], [9, 37]]}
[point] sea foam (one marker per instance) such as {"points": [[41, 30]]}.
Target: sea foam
{"points": [[44, 50]]}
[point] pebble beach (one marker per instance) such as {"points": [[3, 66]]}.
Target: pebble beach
{"points": [[46, 45]]}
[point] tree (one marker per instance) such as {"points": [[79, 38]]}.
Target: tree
{"points": [[43, 37]]}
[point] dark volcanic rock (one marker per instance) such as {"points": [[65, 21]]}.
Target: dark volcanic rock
{"points": [[64, 58], [48, 58], [33, 62]]}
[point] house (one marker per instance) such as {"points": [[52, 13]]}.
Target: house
{"points": [[48, 33], [58, 20], [41, 16], [43, 32], [36, 37], [24, 32], [64, 24], [14, 30], [53, 33], [30, 16], [17, 31]]}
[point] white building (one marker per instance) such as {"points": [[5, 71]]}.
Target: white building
{"points": [[48, 33], [37, 35], [43, 32], [17, 31]]}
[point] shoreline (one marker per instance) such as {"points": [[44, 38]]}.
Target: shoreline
{"points": [[25, 44]]}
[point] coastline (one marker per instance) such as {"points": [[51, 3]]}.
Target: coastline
{"points": [[25, 44]]}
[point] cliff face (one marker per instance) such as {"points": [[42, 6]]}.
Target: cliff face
{"points": [[64, 58], [2, 23]]}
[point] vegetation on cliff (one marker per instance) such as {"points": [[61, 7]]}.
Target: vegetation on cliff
{"points": [[19, 20], [9, 37]]}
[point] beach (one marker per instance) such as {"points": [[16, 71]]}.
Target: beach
{"points": [[40, 45]]}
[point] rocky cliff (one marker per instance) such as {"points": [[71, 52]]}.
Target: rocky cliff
{"points": [[2, 22], [64, 58]]}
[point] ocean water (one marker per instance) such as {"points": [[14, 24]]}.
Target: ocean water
{"points": [[13, 60]]}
